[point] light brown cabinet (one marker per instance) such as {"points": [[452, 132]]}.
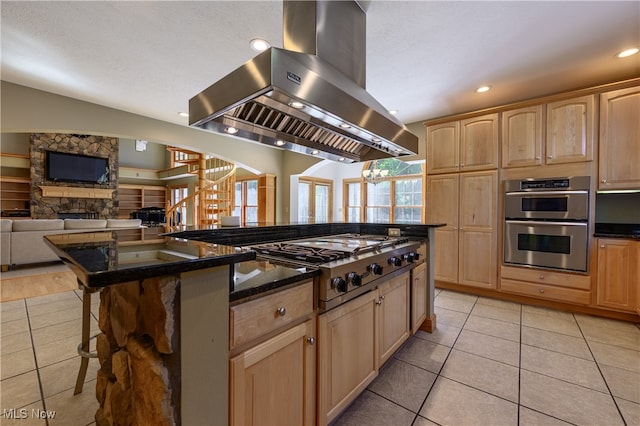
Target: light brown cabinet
{"points": [[273, 383], [556, 133], [419, 289], [15, 193], [347, 354], [465, 145], [135, 197], [620, 139], [272, 371], [465, 249], [618, 274], [544, 284], [393, 304]]}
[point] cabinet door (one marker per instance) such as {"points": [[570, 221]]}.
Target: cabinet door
{"points": [[522, 137], [570, 130], [478, 229], [479, 143], [618, 274], [274, 382], [347, 354], [443, 142], [419, 289], [393, 320], [442, 207], [620, 139]]}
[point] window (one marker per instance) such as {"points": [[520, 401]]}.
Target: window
{"points": [[397, 197], [246, 200], [176, 194], [315, 200], [353, 200]]}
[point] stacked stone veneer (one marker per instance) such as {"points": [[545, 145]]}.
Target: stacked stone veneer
{"points": [[96, 146], [139, 378]]}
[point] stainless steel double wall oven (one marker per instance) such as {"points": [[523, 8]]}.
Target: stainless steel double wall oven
{"points": [[546, 223]]}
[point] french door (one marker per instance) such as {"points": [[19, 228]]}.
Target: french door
{"points": [[315, 200]]}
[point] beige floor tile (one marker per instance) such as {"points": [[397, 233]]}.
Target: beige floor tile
{"points": [[421, 421], [613, 336], [548, 312], [589, 321], [484, 374], [449, 317], [404, 384], [459, 295], [558, 324], [10, 306], [533, 418], [15, 363], [616, 356], [491, 347], [421, 353], [564, 367], [452, 403], [9, 328], [493, 327], [63, 330], [53, 352], [13, 314], [15, 342], [566, 401], [496, 312], [371, 409], [52, 318], [51, 298], [61, 376], [630, 411], [54, 306], [443, 334], [19, 391], [25, 416], [504, 304], [622, 383], [569, 345], [73, 409], [454, 303]]}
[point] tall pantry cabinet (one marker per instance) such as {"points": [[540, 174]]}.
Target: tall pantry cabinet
{"points": [[462, 191]]}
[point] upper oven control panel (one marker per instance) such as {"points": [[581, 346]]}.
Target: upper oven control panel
{"points": [[545, 184]]}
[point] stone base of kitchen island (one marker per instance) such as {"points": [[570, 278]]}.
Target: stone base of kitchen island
{"points": [[163, 350]]}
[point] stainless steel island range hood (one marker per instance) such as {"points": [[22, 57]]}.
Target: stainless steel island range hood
{"points": [[308, 97]]}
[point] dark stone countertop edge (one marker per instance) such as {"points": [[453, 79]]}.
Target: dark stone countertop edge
{"points": [[617, 230], [239, 236], [249, 293]]}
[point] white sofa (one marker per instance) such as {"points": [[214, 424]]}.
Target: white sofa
{"points": [[22, 243]]}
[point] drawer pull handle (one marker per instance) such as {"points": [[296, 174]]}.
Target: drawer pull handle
{"points": [[379, 302], [601, 245], [311, 341], [281, 311], [542, 277], [542, 290]]}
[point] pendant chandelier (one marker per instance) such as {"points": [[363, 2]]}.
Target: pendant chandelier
{"points": [[374, 174]]}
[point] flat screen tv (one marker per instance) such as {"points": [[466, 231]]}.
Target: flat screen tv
{"points": [[63, 167]]}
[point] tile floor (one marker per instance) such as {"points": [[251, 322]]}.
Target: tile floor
{"points": [[489, 362], [492, 362]]}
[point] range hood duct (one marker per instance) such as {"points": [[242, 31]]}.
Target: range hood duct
{"points": [[322, 67]]}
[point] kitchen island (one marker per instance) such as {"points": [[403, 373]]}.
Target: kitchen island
{"points": [[164, 312]]}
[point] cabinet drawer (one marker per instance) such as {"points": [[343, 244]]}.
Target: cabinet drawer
{"points": [[257, 317], [548, 292], [547, 277]]}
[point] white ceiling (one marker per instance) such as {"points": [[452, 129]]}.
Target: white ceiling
{"points": [[424, 58]]}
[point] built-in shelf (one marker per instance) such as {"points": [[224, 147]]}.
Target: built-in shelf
{"points": [[73, 192]]}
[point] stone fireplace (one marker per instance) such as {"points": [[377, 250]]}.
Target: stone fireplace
{"points": [[43, 206]]}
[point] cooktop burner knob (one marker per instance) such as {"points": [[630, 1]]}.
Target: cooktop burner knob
{"points": [[409, 257], [375, 269], [395, 261], [339, 284], [354, 278]]}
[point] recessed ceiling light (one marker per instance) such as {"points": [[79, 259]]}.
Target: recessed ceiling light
{"points": [[183, 114], [483, 89], [280, 142], [374, 139], [315, 152], [341, 159], [296, 104], [628, 52], [231, 130], [393, 111], [259, 44], [345, 126]]}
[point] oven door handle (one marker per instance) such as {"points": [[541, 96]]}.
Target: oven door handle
{"points": [[547, 193], [540, 223]]}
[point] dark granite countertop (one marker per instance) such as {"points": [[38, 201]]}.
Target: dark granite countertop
{"points": [[98, 260], [617, 230]]}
